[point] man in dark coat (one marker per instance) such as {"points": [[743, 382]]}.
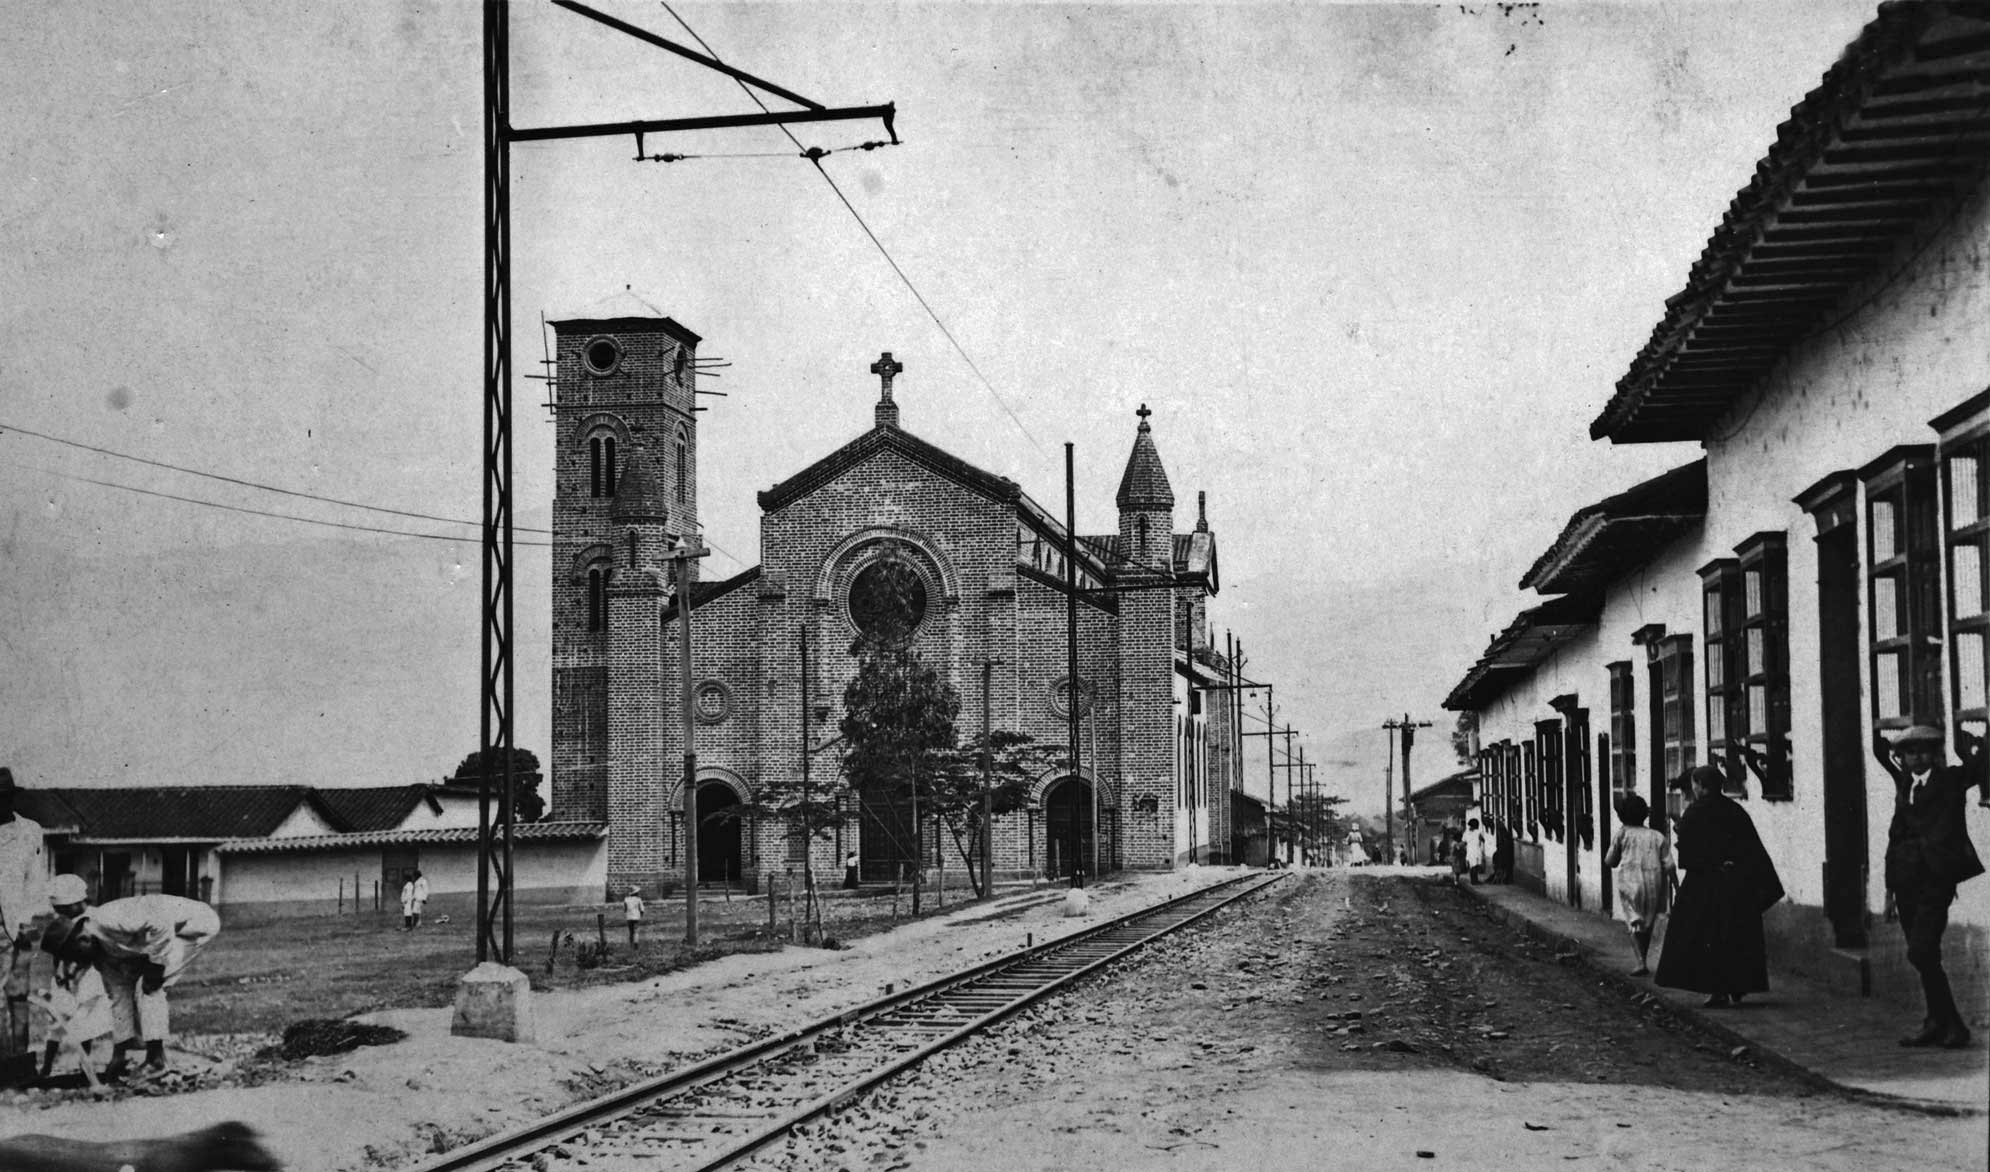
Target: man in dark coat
{"points": [[1714, 944], [1928, 853]]}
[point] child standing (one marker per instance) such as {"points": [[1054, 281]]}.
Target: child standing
{"points": [[1645, 875], [79, 1010], [632, 911]]}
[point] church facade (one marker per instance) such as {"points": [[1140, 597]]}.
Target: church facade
{"points": [[887, 528]]}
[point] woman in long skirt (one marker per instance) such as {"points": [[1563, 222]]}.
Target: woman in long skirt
{"points": [[1714, 943], [1645, 875]]}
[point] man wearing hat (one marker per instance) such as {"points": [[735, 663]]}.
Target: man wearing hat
{"points": [[1928, 853], [141, 945]]}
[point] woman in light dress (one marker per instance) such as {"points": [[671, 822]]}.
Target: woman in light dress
{"points": [[1645, 875]]}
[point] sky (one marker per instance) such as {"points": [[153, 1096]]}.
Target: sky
{"points": [[1374, 267]]}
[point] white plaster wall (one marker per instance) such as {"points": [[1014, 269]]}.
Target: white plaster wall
{"points": [[574, 871], [1895, 355]]}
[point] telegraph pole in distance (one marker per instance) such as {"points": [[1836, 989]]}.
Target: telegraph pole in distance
{"points": [[987, 777], [1409, 728]]}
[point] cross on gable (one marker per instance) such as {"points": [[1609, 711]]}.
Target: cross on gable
{"points": [[886, 368]]}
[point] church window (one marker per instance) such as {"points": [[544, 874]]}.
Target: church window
{"points": [[683, 467], [602, 355], [887, 600], [601, 466], [597, 599]]}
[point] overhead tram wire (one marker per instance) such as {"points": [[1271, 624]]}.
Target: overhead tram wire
{"points": [[814, 155]]}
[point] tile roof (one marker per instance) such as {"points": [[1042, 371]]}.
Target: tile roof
{"points": [[522, 832], [1894, 136], [1527, 640], [184, 812], [214, 813], [1603, 541]]}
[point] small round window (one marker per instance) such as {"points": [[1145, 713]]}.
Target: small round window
{"points": [[887, 600], [602, 355]]}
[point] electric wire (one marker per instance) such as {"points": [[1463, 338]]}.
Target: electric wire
{"points": [[815, 156], [467, 540], [330, 500]]}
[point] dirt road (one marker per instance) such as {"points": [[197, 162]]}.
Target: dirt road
{"points": [[1378, 1023]]}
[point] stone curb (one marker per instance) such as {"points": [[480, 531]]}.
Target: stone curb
{"points": [[1702, 1021]]}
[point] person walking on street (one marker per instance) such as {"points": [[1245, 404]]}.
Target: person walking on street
{"points": [[632, 911], [23, 906], [1928, 854], [1645, 875], [1714, 944], [141, 945], [1477, 851]]}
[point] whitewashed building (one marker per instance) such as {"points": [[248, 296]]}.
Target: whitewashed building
{"points": [[1816, 576]]}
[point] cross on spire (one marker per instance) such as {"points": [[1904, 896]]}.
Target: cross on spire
{"points": [[886, 368], [1143, 413]]}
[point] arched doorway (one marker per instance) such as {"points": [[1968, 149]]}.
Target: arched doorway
{"points": [[1067, 827], [718, 833]]}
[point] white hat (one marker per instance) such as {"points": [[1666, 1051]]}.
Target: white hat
{"points": [[64, 890]]}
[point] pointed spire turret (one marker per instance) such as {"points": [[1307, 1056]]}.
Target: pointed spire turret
{"points": [[1145, 484]]}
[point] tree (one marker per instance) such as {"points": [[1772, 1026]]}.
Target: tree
{"points": [[1465, 737], [1317, 817], [899, 733], [526, 804]]}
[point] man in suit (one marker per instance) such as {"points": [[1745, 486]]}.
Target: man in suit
{"points": [[1928, 853]]}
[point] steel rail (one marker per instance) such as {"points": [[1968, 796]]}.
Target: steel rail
{"points": [[1033, 974]]}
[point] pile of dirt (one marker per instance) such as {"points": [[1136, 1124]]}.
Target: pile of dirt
{"points": [[317, 1036]]}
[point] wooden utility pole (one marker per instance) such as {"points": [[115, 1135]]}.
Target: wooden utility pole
{"points": [[1409, 728], [987, 777], [686, 550]]}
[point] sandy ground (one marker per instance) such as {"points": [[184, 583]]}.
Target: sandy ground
{"points": [[392, 1105], [1348, 1020]]}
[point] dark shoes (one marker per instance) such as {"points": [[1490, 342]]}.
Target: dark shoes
{"points": [[1948, 1035]]}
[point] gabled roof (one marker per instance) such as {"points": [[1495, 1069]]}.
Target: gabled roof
{"points": [[1451, 785], [1895, 134], [1193, 554], [380, 808], [889, 439], [209, 812], [212, 813], [1530, 638], [1617, 534]]}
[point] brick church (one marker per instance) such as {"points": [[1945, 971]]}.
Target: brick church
{"points": [[978, 573]]}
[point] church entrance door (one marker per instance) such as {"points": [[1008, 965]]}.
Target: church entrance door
{"points": [[1067, 828], [885, 834], [718, 834]]}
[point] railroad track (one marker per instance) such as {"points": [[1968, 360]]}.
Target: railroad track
{"points": [[723, 1109]]}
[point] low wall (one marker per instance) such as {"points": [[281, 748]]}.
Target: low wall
{"points": [[322, 882]]}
